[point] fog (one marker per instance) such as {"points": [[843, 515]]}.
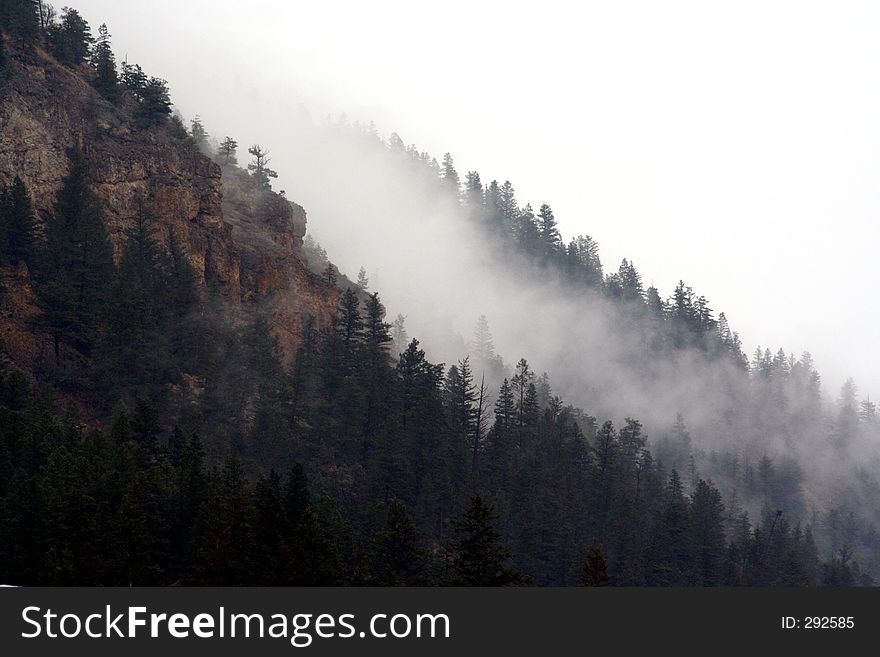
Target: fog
{"points": [[732, 147], [736, 150]]}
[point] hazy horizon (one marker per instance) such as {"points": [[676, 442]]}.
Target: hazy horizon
{"points": [[731, 149]]}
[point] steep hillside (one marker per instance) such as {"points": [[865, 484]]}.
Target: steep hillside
{"points": [[191, 393], [242, 240]]}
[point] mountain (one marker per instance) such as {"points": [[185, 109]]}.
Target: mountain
{"points": [[244, 242], [190, 392]]}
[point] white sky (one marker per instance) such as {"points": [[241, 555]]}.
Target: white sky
{"points": [[735, 145]]}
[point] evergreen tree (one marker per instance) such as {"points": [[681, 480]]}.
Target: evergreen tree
{"points": [[505, 406], [399, 558], [460, 397], [399, 337], [314, 559], [507, 206], [527, 232], [271, 531], [259, 168], [19, 18], [655, 303], [548, 231], [376, 373], [189, 495], [70, 40], [133, 79], [478, 558], [630, 282], [155, 103], [707, 535], [526, 399], [584, 265], [198, 133], [330, 274], [480, 422], [78, 264], [19, 226], [482, 346], [669, 547], [363, 282], [134, 352], [450, 176], [227, 151], [474, 195], [104, 63], [595, 570], [227, 547]]}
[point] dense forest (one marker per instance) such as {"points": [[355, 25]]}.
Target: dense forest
{"points": [[357, 460]]}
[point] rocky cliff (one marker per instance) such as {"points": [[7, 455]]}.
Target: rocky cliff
{"points": [[244, 241]]}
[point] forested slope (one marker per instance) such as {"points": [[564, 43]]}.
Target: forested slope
{"points": [[189, 396]]}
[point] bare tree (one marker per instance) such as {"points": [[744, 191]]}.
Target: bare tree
{"points": [[481, 421]]}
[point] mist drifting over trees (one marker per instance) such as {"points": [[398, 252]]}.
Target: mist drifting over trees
{"points": [[531, 415]]}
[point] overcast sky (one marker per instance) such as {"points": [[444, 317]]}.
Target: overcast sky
{"points": [[734, 145]]}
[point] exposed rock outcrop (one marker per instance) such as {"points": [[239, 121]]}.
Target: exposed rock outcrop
{"points": [[243, 240]]}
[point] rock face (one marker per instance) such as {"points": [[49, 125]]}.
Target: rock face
{"points": [[244, 241]]}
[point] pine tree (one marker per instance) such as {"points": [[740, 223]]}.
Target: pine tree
{"points": [[78, 263], [198, 133], [527, 232], [227, 150], [376, 374], [17, 214], [595, 570], [480, 423], [227, 547], [507, 206], [70, 40], [548, 231], [350, 328], [630, 282], [474, 195], [655, 303], [450, 176], [190, 492], [314, 560], [104, 63], [272, 531], [478, 558], [669, 550], [399, 337], [134, 353], [399, 558], [19, 18], [584, 263], [363, 282], [707, 538], [482, 346], [460, 395], [505, 406], [330, 274], [155, 103], [259, 168], [519, 385], [133, 79], [530, 408]]}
